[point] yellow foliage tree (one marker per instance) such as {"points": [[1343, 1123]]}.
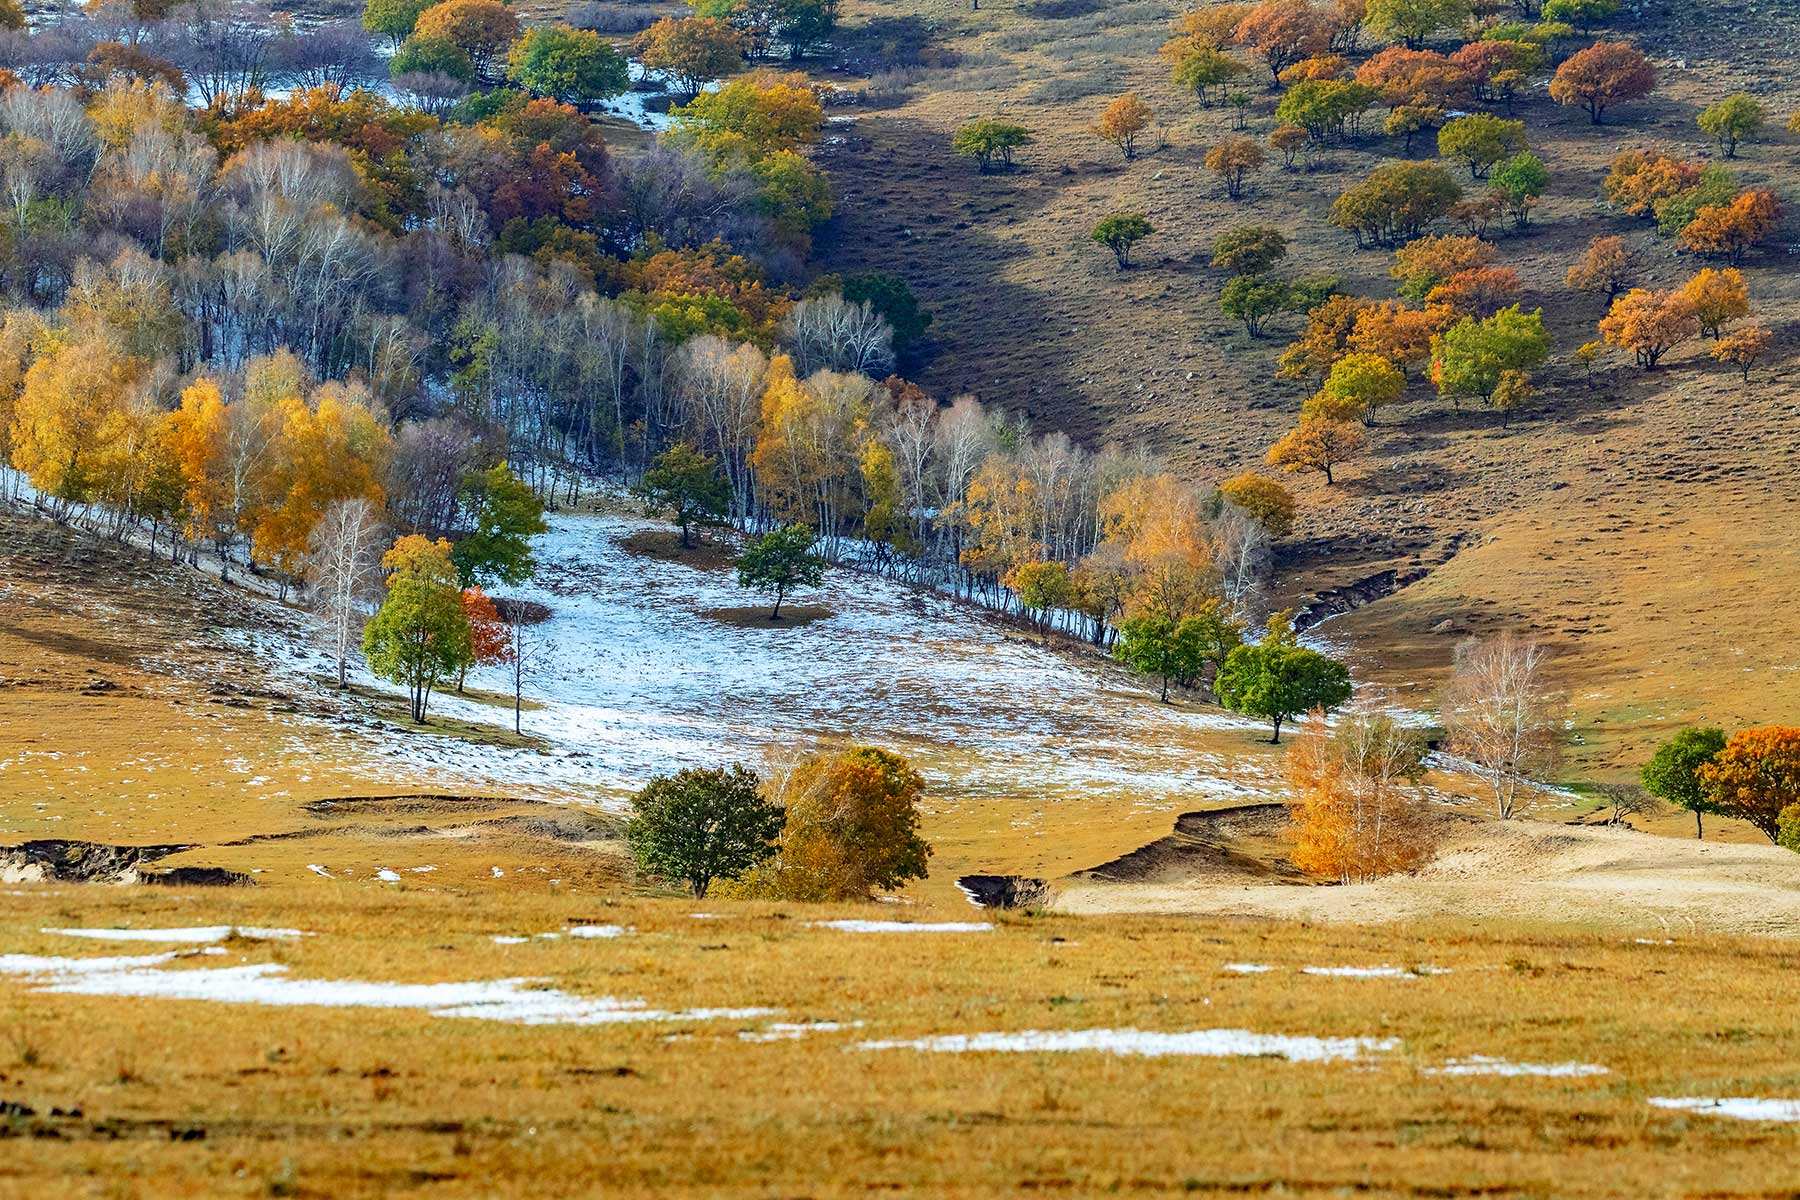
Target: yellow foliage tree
{"points": [[73, 420], [1718, 297], [1003, 512], [1353, 798], [1123, 122], [1160, 525]]}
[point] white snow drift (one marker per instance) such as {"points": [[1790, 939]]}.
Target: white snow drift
{"points": [[1201, 1043]]}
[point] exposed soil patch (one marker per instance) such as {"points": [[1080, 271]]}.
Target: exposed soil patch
{"points": [[793, 616], [1248, 842], [54, 860], [705, 554]]}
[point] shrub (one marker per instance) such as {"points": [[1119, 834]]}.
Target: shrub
{"points": [[1605, 266], [1325, 108], [989, 141], [1413, 21], [1421, 265], [1521, 181], [1729, 231], [1743, 347], [1480, 141]]}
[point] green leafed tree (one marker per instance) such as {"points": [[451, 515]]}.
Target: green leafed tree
{"points": [[1414, 21], [432, 56], [507, 515], [1521, 180], [780, 561], [890, 296], [1731, 121], [686, 487], [1673, 772], [1120, 232], [701, 825], [393, 19], [990, 142], [1253, 299], [1480, 140], [1249, 249], [1472, 357], [1277, 678], [575, 66], [1178, 651], [420, 636]]}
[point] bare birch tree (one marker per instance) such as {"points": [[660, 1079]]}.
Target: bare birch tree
{"points": [[1502, 715], [344, 564]]}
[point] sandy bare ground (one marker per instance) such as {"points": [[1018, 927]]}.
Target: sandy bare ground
{"points": [[1526, 870]]}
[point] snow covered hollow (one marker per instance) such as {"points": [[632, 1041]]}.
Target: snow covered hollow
{"points": [[634, 679], [516, 1001]]}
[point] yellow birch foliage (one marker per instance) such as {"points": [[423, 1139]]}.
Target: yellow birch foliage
{"points": [[72, 419]]}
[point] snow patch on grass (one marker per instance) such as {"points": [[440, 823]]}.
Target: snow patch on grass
{"points": [[1246, 968], [1139, 1043], [1379, 972], [516, 1001], [192, 935], [1741, 1108], [862, 926], [1483, 1064], [790, 1031]]}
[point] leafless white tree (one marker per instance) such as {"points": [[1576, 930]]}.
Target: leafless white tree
{"points": [[343, 562], [1240, 547], [1502, 715], [829, 333]]}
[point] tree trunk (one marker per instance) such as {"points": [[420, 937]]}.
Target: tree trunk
{"points": [[1699, 832], [1276, 739]]}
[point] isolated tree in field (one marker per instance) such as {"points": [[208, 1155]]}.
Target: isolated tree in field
{"points": [[1354, 800], [700, 825], [1253, 299], [1501, 715], [574, 66], [393, 19], [1756, 777], [507, 514], [343, 564], [1276, 678], [522, 653], [690, 51], [1359, 387], [1233, 160], [1472, 356], [1263, 499], [1123, 122], [780, 561], [989, 142], [1732, 121], [1319, 444], [852, 828], [686, 487], [1412, 22], [1283, 32], [419, 637], [1249, 249], [1520, 182], [1604, 74], [1673, 772], [1649, 324], [1744, 347], [1729, 231], [1120, 232], [1289, 141], [1719, 297], [1606, 266], [1396, 202], [1204, 70]]}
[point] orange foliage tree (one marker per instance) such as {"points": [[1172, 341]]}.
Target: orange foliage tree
{"points": [[1319, 444], [1601, 76], [1743, 347], [1283, 32], [1637, 180], [481, 29], [1353, 798], [1605, 266], [1756, 776], [1649, 324], [490, 638], [1421, 79], [1422, 264], [1124, 120], [1325, 339], [1233, 159], [1719, 297], [1730, 230], [1478, 293]]}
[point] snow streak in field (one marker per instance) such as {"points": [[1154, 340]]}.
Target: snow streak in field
{"points": [[635, 679], [1202, 1043]]}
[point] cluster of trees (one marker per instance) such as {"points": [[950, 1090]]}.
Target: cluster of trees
{"points": [[1754, 775], [837, 825]]}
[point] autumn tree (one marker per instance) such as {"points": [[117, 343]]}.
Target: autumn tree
{"points": [[490, 639], [703, 824], [1325, 339], [690, 51], [1276, 678], [1649, 324], [1042, 586], [1501, 714], [1249, 249], [1673, 772], [1283, 32], [1732, 121], [1756, 776], [1423, 80], [1744, 347], [393, 19], [1358, 387], [851, 829], [574, 66], [1395, 203], [780, 561], [1120, 232], [1232, 160], [687, 487], [344, 569], [1479, 293], [1606, 266], [1730, 230], [1638, 181], [1412, 22], [74, 416], [1354, 798], [1253, 299], [990, 142], [481, 29], [419, 637], [1317, 444], [1604, 74], [1123, 122], [1718, 297], [1426, 262], [1263, 499]]}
